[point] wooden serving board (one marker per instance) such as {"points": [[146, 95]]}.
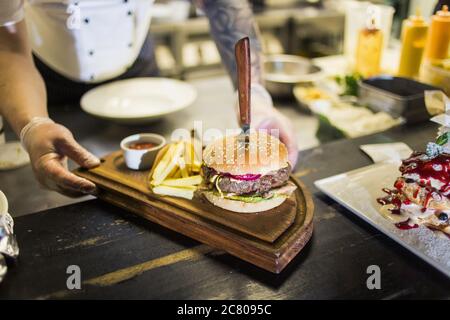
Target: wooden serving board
{"points": [[267, 239]]}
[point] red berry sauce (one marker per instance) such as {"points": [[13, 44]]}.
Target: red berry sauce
{"points": [[426, 168]]}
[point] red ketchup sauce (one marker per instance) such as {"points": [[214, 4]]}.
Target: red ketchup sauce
{"points": [[141, 145]]}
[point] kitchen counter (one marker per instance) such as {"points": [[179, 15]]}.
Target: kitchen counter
{"points": [[124, 257]]}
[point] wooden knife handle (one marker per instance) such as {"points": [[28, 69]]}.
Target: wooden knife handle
{"points": [[242, 53]]}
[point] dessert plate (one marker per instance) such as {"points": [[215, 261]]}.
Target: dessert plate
{"points": [[138, 100], [3, 203], [358, 191]]}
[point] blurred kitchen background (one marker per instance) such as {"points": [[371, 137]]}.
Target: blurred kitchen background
{"points": [[309, 28], [318, 54]]}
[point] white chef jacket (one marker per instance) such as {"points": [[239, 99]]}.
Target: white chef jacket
{"points": [[84, 40]]}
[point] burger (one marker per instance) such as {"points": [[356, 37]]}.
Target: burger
{"points": [[246, 173]]}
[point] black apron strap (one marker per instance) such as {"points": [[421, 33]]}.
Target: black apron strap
{"points": [[61, 90]]}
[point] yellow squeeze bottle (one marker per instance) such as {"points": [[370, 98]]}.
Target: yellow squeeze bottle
{"points": [[414, 36], [439, 36], [368, 50]]}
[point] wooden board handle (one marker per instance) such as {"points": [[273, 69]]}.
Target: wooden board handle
{"points": [[242, 53]]}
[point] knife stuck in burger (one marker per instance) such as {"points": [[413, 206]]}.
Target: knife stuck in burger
{"points": [[248, 172]]}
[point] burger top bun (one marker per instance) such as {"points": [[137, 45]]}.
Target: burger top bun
{"points": [[230, 154], [243, 207]]}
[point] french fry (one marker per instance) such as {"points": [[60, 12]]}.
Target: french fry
{"points": [[188, 158], [184, 172], [162, 163], [197, 150], [159, 179], [195, 160], [189, 153], [173, 172], [183, 169], [183, 182], [187, 193], [193, 188], [158, 158], [172, 163], [196, 166], [177, 174], [194, 150]]}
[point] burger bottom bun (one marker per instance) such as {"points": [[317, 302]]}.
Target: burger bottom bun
{"points": [[243, 207]]}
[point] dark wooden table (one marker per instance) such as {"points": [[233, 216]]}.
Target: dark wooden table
{"points": [[125, 257]]}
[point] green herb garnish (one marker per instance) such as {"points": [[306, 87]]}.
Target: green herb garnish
{"points": [[349, 83], [443, 139]]}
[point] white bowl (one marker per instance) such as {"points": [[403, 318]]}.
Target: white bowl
{"points": [[137, 159]]}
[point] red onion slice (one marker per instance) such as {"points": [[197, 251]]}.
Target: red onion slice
{"points": [[245, 177]]}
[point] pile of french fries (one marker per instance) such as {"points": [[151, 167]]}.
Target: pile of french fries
{"points": [[176, 170]]}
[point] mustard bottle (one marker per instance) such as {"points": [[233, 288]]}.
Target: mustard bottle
{"points": [[414, 35], [368, 51], [437, 46]]}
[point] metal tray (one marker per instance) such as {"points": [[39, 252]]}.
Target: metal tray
{"points": [[400, 97]]}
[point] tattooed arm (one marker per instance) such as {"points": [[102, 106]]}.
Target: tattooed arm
{"points": [[231, 20]]}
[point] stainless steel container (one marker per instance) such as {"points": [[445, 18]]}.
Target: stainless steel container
{"points": [[399, 97], [283, 72]]}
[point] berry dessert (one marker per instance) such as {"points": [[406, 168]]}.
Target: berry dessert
{"points": [[421, 195]]}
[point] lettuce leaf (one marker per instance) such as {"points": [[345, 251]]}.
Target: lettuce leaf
{"points": [[283, 191], [248, 199]]}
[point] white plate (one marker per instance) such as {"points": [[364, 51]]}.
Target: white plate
{"points": [[12, 156], [138, 100], [358, 190], [3, 203]]}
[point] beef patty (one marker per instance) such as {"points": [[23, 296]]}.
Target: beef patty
{"points": [[261, 185]]}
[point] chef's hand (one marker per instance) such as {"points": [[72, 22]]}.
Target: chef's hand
{"points": [[265, 116], [49, 145]]}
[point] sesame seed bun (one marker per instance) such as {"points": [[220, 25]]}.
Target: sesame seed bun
{"points": [[264, 153]]}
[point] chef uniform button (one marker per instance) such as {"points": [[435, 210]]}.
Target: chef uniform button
{"points": [[130, 13], [86, 20], [92, 77], [130, 45], [91, 52]]}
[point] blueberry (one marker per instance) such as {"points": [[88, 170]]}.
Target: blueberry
{"points": [[443, 216]]}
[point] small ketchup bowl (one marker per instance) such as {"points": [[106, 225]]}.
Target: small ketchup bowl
{"points": [[140, 150]]}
